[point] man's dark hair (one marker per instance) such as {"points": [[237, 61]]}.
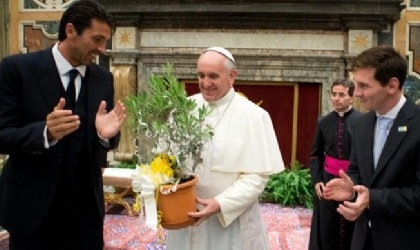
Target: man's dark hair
{"points": [[386, 61], [80, 14], [345, 82]]}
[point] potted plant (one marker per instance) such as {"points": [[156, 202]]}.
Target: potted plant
{"points": [[174, 129]]}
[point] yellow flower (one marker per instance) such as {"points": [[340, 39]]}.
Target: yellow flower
{"points": [[161, 164]]}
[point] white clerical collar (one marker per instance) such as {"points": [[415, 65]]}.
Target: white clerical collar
{"points": [[225, 99], [341, 113]]}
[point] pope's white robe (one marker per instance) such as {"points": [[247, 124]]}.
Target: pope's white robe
{"points": [[236, 166]]}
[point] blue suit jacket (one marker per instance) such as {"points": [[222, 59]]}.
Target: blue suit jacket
{"points": [[394, 187], [30, 88]]}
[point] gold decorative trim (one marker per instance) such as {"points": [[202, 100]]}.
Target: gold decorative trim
{"points": [[118, 198], [295, 121], [125, 83]]}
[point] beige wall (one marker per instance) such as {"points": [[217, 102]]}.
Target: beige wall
{"points": [[4, 23]]}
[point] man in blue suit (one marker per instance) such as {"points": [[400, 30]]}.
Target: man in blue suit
{"points": [[51, 193], [381, 190]]}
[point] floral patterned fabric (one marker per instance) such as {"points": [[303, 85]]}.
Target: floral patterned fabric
{"points": [[287, 228]]}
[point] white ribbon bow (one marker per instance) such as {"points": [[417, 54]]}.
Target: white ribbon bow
{"points": [[146, 187]]}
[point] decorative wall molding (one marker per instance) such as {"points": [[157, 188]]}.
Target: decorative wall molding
{"points": [[125, 38], [254, 14], [124, 85], [256, 66], [360, 40], [45, 5], [33, 36], [413, 49], [296, 40]]}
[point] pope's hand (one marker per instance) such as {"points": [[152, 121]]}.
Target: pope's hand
{"points": [[61, 122], [108, 124], [211, 206]]}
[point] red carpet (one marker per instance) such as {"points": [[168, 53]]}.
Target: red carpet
{"points": [[287, 228]]}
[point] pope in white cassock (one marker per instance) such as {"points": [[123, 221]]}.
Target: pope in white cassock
{"points": [[237, 164]]}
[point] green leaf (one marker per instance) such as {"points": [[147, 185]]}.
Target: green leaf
{"points": [[291, 187], [163, 114]]}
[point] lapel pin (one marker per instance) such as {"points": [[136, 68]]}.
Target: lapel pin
{"points": [[402, 129]]}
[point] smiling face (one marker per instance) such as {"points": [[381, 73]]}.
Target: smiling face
{"points": [[215, 78], [379, 74], [82, 49], [373, 95]]}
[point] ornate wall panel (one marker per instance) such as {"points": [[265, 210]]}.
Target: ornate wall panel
{"points": [[45, 4], [407, 35], [36, 36], [34, 24], [414, 3]]}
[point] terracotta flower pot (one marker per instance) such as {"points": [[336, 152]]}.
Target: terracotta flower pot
{"points": [[176, 205]]}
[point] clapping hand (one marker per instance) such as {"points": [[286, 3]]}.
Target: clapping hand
{"points": [[108, 124], [352, 210], [61, 122], [339, 189], [342, 189]]}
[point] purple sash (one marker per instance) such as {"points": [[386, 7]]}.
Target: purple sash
{"points": [[332, 165]]}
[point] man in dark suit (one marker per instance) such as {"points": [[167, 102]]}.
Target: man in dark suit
{"points": [[51, 193], [381, 189]]}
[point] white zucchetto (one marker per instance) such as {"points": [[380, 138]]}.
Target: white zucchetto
{"points": [[222, 51]]}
